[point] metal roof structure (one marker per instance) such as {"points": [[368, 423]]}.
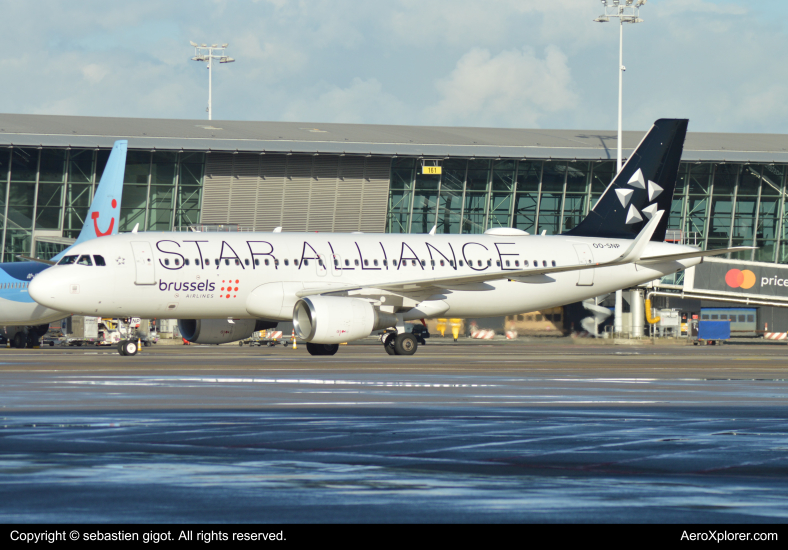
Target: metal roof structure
{"points": [[23, 130]]}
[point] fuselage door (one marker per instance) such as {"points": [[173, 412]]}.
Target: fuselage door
{"points": [[585, 277], [143, 262], [336, 265]]}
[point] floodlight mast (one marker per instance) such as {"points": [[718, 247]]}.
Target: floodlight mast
{"points": [[627, 11], [209, 53]]}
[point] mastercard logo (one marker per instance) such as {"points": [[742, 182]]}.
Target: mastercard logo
{"points": [[737, 278]]}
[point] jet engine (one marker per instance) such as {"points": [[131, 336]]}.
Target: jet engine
{"points": [[220, 331], [333, 320]]}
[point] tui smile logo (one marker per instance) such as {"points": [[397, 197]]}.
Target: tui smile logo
{"points": [[95, 216], [736, 278]]}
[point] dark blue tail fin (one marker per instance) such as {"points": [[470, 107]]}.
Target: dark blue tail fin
{"points": [[644, 186]]}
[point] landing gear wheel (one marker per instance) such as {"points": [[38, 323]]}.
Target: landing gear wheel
{"points": [[130, 347], [32, 340], [388, 344], [19, 340], [122, 347], [405, 344], [321, 349]]}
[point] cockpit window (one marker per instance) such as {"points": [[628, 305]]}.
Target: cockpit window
{"points": [[84, 260], [66, 260], [99, 260]]}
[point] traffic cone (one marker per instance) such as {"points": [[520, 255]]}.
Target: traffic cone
{"points": [[294, 339]]}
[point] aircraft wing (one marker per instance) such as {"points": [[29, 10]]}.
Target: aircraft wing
{"points": [[699, 253], [536, 274]]}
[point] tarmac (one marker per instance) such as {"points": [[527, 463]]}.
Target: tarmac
{"points": [[526, 431]]}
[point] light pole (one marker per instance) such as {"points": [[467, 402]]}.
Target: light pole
{"points": [[627, 11], [209, 53]]}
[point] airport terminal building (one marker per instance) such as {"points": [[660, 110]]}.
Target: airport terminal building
{"points": [[349, 177]]}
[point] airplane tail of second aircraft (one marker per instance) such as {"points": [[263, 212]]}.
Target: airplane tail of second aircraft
{"points": [[104, 215], [643, 187]]}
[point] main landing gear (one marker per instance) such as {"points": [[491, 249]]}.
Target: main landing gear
{"points": [[322, 349], [400, 344]]}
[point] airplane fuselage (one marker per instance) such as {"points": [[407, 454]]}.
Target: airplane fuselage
{"points": [[214, 275]]}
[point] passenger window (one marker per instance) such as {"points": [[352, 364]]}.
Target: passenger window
{"points": [[451, 263], [479, 263], [461, 265], [306, 262], [166, 261], [336, 262], [257, 261], [432, 263], [237, 261], [295, 262], [177, 261], [385, 264], [355, 262], [413, 263], [442, 264], [246, 261], [544, 263], [525, 263], [498, 263], [394, 263], [286, 262], [266, 261], [375, 262], [226, 261], [84, 260], [276, 262], [99, 260], [553, 263], [320, 262], [366, 263], [68, 260], [216, 261], [507, 263], [517, 263], [347, 263]]}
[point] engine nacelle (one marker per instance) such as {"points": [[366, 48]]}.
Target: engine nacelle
{"points": [[220, 331], [333, 320]]}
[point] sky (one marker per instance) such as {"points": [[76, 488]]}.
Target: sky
{"points": [[492, 63]]}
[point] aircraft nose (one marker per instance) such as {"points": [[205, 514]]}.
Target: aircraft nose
{"points": [[46, 287]]}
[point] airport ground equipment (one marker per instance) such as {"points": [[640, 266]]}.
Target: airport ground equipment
{"points": [[713, 332]]}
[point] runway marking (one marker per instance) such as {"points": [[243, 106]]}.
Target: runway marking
{"points": [[314, 381]]}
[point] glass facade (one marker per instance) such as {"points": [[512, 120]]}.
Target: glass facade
{"points": [[46, 192], [715, 205]]}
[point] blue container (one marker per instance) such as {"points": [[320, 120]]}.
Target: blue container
{"points": [[714, 330]]}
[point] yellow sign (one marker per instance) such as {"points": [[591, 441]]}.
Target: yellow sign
{"points": [[435, 170]]}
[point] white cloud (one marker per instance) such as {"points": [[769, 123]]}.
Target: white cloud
{"points": [[94, 73], [513, 88], [364, 101]]}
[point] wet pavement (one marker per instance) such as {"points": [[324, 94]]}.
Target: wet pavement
{"points": [[507, 432]]}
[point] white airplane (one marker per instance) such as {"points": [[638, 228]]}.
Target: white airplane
{"points": [[22, 320], [338, 287]]}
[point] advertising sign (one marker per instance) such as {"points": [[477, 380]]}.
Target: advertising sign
{"points": [[741, 278]]}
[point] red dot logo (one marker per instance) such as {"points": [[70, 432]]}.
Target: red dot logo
{"points": [[736, 278], [114, 203]]}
